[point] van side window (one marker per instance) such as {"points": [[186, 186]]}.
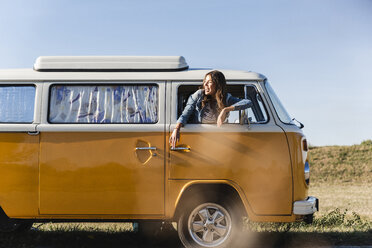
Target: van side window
{"points": [[17, 104], [103, 104], [256, 113]]}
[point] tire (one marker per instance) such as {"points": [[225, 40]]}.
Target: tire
{"points": [[210, 223]]}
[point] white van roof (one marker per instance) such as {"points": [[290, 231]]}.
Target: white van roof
{"points": [[116, 68], [104, 63]]}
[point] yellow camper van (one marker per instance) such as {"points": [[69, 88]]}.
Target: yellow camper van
{"points": [[86, 138]]}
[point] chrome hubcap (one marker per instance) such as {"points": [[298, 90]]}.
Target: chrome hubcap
{"points": [[209, 224]]}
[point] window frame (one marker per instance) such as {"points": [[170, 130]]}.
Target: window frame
{"points": [[229, 83], [263, 104], [108, 83], [291, 123]]}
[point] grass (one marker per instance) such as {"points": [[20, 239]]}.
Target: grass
{"points": [[342, 164], [354, 198], [336, 220], [84, 227], [341, 177], [337, 227]]}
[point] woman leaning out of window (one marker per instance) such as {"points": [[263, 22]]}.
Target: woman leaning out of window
{"points": [[210, 104]]}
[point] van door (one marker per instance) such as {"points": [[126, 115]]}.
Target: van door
{"points": [[19, 148], [102, 151], [254, 156]]}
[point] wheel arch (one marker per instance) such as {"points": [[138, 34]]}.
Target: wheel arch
{"points": [[219, 189]]}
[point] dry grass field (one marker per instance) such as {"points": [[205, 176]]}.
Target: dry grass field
{"points": [[352, 197], [341, 176], [342, 165]]}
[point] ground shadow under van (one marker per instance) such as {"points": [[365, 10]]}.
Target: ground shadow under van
{"points": [[36, 238]]}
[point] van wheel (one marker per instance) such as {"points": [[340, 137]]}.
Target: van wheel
{"points": [[210, 223]]}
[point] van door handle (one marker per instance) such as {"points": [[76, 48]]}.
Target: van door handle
{"points": [[180, 149], [152, 148], [33, 133]]}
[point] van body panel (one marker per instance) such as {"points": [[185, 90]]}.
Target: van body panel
{"points": [[19, 154], [256, 157], [94, 168], [101, 173], [257, 161], [299, 156], [19, 179]]}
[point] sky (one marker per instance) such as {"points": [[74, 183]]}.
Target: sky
{"points": [[317, 54]]}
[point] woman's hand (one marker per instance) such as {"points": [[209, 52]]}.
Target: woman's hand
{"points": [[222, 116], [175, 137]]}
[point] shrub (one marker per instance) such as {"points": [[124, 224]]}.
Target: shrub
{"points": [[366, 143]]}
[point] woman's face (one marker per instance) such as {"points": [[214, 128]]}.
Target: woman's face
{"points": [[209, 86]]}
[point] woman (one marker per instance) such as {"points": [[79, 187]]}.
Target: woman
{"points": [[210, 104]]}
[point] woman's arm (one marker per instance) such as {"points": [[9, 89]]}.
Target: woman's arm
{"points": [[190, 107], [238, 103], [222, 116], [186, 113], [175, 136], [233, 103]]}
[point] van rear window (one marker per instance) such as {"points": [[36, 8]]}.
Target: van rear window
{"points": [[17, 104], [103, 104]]}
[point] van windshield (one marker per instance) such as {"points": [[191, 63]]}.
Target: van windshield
{"points": [[279, 108]]}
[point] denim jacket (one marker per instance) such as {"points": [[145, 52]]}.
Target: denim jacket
{"points": [[194, 111]]}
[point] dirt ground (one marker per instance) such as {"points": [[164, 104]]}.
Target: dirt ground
{"points": [[40, 239]]}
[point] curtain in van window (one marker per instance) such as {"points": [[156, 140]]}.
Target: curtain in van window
{"points": [[104, 104], [17, 104]]}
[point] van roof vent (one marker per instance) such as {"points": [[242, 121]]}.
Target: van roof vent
{"points": [[110, 63]]}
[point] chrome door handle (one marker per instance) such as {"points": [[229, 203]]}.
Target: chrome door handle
{"points": [[180, 149], [33, 133], [152, 148]]}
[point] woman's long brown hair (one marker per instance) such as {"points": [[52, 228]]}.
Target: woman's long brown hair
{"points": [[219, 79]]}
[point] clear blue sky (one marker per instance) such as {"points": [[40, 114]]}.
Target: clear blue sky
{"points": [[317, 54]]}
